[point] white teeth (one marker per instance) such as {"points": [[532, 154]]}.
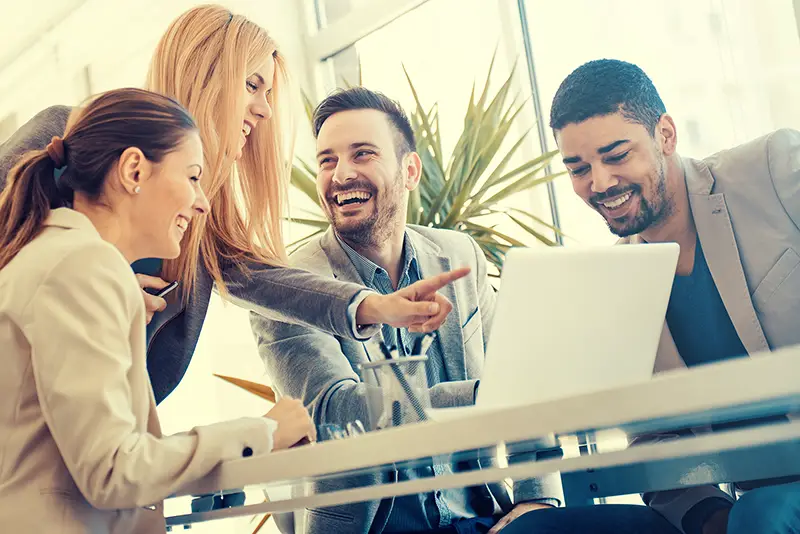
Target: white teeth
{"points": [[183, 224], [618, 202], [361, 195], [246, 129]]}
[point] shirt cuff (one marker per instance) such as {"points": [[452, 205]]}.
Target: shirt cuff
{"points": [[271, 425], [360, 332], [698, 514], [242, 437]]}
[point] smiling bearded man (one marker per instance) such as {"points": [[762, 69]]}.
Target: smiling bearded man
{"points": [[736, 217]]}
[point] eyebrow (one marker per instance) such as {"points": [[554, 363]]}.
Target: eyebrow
{"points": [[353, 146], [608, 148], [199, 168], [602, 150], [260, 78]]}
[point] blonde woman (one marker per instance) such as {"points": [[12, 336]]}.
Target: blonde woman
{"points": [[81, 449], [229, 74]]}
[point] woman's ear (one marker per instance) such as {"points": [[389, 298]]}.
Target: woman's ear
{"points": [[134, 170]]}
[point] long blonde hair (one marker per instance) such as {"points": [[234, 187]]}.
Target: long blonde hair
{"points": [[203, 61]]}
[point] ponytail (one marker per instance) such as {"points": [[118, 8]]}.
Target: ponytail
{"points": [[26, 201]]}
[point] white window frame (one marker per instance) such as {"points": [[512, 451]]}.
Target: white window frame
{"points": [[332, 39]]}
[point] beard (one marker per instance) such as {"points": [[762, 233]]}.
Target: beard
{"points": [[376, 227], [651, 211]]}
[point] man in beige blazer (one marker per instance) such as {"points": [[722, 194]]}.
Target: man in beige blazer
{"points": [[736, 217]]}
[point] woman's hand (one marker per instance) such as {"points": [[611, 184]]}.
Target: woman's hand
{"points": [[294, 424], [152, 303], [418, 307]]}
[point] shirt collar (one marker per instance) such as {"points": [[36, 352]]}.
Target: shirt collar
{"points": [[367, 269]]}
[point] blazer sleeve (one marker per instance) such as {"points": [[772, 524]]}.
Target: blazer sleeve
{"points": [[33, 135], [292, 295], [79, 326], [784, 168]]}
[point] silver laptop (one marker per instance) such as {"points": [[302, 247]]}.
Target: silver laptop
{"points": [[575, 320]]}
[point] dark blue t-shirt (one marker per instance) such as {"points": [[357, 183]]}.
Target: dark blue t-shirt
{"points": [[697, 318], [703, 333]]}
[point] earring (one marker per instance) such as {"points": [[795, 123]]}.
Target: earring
{"points": [[137, 189]]}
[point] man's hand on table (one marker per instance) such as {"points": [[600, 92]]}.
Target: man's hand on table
{"points": [[517, 511]]}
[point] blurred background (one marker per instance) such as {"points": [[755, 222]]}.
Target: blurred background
{"points": [[728, 71]]}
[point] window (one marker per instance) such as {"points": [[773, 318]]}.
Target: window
{"points": [[332, 10], [444, 62]]}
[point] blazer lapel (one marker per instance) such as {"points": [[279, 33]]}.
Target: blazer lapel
{"points": [[343, 269], [431, 263], [715, 232]]}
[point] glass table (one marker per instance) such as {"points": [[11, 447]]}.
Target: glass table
{"points": [[742, 413]]}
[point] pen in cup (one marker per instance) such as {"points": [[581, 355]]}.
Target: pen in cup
{"points": [[412, 397]]}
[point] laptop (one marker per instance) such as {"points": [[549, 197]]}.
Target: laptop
{"points": [[574, 320]]}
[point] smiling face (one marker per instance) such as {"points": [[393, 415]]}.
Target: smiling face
{"points": [[620, 170], [258, 87], [361, 184], [169, 198]]}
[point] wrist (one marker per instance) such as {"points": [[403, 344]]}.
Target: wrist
{"points": [[367, 311]]}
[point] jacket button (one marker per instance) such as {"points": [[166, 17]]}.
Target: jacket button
{"points": [[247, 452]]}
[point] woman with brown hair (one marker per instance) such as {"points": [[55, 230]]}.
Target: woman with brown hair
{"points": [[81, 449], [229, 74]]}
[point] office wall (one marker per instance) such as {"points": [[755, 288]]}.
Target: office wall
{"points": [[61, 51]]}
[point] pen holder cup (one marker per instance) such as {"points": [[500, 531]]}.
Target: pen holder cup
{"points": [[396, 390]]}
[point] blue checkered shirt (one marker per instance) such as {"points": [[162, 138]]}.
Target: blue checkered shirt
{"points": [[427, 511]]}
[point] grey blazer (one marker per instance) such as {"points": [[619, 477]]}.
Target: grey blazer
{"points": [[284, 294], [321, 369], [746, 206]]}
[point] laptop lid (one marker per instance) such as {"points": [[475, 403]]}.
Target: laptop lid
{"points": [[573, 320]]}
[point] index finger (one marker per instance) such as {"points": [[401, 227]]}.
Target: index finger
{"points": [[435, 283]]}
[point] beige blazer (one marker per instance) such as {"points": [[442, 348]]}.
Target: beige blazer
{"points": [[81, 449], [745, 202]]}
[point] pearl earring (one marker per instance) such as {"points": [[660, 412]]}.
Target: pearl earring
{"points": [[137, 189]]}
